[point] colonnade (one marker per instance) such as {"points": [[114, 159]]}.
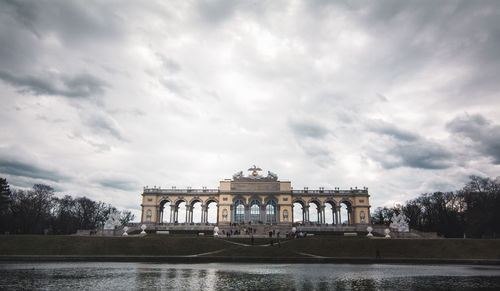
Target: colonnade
{"points": [[189, 213], [321, 210]]}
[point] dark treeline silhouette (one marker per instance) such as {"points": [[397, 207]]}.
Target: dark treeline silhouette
{"points": [[473, 211], [38, 210]]}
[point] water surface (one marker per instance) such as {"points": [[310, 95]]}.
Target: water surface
{"points": [[227, 276]]}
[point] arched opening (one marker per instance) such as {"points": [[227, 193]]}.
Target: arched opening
{"points": [[298, 212], [196, 212], [239, 211], [180, 212], [255, 211], [211, 212], [271, 208], [345, 213], [314, 212], [165, 211], [330, 213]]}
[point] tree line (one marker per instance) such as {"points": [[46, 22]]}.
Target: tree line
{"points": [[473, 211], [39, 211]]}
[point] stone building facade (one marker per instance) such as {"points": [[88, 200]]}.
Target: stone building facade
{"points": [[255, 199]]}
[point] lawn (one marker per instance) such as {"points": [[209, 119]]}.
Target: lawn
{"points": [[182, 245], [149, 245]]}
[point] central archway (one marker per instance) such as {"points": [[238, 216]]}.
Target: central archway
{"points": [[255, 211]]}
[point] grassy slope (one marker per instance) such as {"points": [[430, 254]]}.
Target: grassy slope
{"points": [[403, 248], [72, 245], [176, 245]]}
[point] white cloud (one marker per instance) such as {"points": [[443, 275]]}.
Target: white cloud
{"points": [[107, 97]]}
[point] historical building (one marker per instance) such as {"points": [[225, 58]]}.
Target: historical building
{"points": [[257, 199]]}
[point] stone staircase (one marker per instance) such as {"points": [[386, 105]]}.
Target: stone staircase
{"points": [[257, 230]]}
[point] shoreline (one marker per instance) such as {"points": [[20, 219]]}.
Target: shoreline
{"points": [[275, 260]]}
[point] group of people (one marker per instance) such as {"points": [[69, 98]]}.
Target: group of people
{"points": [[231, 232], [293, 235]]}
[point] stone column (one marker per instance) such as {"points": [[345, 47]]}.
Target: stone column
{"points": [[263, 213], [217, 218], [187, 213], [278, 214], [158, 214], [171, 213], [231, 214], [307, 213], [201, 215], [322, 217], [246, 217], [324, 214]]}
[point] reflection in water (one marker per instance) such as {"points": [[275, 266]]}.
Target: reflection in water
{"points": [[137, 276]]}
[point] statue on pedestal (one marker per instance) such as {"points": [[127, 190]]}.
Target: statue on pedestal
{"points": [[400, 223], [113, 220]]}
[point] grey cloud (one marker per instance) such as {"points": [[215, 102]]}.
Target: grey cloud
{"points": [[306, 129], [72, 21], [82, 85], [120, 184], [310, 137], [23, 169], [382, 97], [175, 87], [170, 65], [422, 155], [385, 128], [216, 11], [484, 135], [101, 123], [408, 149]]}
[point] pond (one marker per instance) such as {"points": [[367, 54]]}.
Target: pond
{"points": [[227, 276]]}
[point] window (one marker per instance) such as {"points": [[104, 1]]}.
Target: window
{"points": [[255, 210], [239, 211], [148, 215], [285, 215], [150, 199], [271, 211], [224, 199], [362, 216], [361, 200], [285, 198]]}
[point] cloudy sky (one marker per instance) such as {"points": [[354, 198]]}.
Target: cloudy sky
{"points": [[102, 98]]}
